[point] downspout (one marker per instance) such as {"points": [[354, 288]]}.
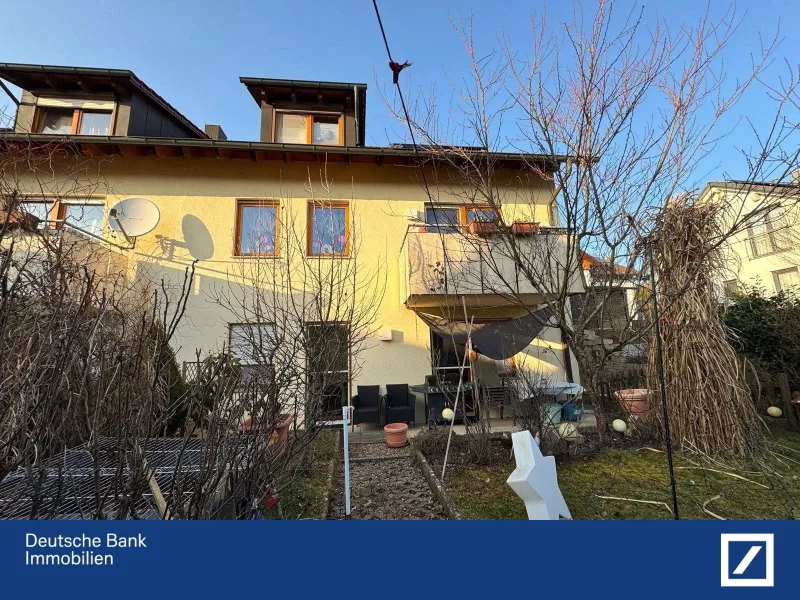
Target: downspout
{"points": [[357, 120]]}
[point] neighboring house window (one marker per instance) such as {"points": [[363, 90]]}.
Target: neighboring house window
{"points": [[328, 229], [786, 279], [322, 129], [731, 287], [74, 121], [252, 343], [772, 234], [449, 219], [257, 228]]}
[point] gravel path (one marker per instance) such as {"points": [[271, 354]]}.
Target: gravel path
{"points": [[385, 489]]}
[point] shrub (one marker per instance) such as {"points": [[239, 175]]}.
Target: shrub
{"points": [[765, 330]]}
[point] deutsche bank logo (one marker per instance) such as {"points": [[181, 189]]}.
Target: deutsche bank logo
{"points": [[748, 559]]}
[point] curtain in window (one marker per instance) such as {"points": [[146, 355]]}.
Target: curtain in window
{"points": [[292, 129]]}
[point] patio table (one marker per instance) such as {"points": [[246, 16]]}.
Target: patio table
{"points": [[436, 398]]}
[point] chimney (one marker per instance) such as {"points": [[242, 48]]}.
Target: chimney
{"points": [[796, 177], [215, 132]]}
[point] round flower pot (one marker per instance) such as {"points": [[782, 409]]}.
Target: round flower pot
{"points": [[396, 435], [634, 402]]}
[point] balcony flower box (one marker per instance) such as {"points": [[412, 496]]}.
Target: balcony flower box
{"points": [[525, 228], [484, 227]]}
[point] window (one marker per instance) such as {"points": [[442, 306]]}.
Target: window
{"points": [[295, 128], [85, 216], [730, 288], [772, 234], [95, 123], [74, 120], [442, 218], [786, 279], [450, 219], [251, 343], [41, 209], [78, 214], [257, 228], [56, 121], [328, 229]]}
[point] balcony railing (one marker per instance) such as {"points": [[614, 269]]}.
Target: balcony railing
{"points": [[435, 265]]}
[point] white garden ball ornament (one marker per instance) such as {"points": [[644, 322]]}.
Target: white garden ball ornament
{"points": [[448, 414], [619, 425], [774, 411], [568, 431]]}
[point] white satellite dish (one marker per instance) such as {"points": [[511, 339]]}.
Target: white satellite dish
{"points": [[133, 217]]}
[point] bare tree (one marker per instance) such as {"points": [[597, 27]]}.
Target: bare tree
{"points": [[619, 114]]}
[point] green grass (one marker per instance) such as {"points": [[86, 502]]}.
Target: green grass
{"points": [[304, 496], [482, 492]]}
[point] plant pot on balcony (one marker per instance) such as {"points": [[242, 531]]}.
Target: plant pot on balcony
{"points": [[484, 227], [525, 228]]}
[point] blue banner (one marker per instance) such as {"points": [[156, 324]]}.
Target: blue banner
{"points": [[392, 559]]}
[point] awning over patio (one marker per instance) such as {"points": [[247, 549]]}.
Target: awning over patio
{"points": [[499, 339]]}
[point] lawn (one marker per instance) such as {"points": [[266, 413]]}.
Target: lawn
{"points": [[768, 488]]}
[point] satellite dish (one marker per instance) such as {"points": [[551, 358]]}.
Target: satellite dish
{"points": [[133, 217]]}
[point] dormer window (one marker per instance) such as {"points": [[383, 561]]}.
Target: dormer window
{"points": [[324, 129], [57, 120]]}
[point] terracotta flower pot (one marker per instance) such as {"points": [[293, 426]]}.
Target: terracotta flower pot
{"points": [[483, 227], [396, 435], [525, 228], [634, 402]]}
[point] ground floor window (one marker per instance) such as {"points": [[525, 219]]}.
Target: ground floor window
{"points": [[786, 279], [253, 344]]}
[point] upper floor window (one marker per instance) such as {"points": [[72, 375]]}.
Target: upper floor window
{"points": [[770, 235], [257, 228], [83, 215], [450, 219], [297, 128], [328, 229], [73, 121]]}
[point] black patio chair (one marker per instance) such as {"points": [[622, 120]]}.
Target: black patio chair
{"points": [[367, 405], [400, 404]]}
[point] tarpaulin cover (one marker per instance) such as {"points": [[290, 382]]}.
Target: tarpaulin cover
{"points": [[497, 339]]}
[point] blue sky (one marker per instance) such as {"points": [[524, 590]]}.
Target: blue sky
{"points": [[193, 53]]}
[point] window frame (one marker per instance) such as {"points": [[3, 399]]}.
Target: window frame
{"points": [[312, 204], [309, 124], [242, 203], [776, 277], [77, 117]]}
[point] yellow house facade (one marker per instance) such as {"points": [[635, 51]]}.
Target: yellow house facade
{"points": [[763, 248], [308, 198]]}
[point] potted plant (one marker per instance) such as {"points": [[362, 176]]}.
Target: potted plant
{"points": [[634, 402], [484, 227], [522, 228]]}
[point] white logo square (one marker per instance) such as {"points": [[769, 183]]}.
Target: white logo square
{"points": [[729, 573]]}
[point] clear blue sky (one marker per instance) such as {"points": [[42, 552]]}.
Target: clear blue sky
{"points": [[192, 53]]}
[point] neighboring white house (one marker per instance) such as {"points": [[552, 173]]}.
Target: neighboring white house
{"points": [[765, 252]]}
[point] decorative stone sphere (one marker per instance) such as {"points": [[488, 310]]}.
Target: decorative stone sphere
{"points": [[619, 425], [568, 431], [448, 414], [774, 411]]}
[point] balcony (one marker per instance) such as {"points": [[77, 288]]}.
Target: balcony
{"points": [[437, 269]]}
